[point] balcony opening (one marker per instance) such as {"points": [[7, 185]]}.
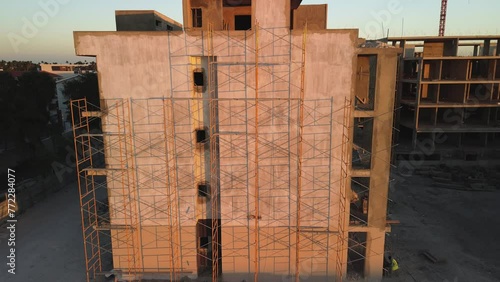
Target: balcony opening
{"points": [[356, 254], [204, 246]]}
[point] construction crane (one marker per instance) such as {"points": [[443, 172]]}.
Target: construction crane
{"points": [[442, 17]]}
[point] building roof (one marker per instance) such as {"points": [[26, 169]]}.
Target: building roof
{"points": [[443, 38], [139, 12], [17, 74]]}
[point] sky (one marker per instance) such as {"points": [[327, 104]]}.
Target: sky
{"points": [[42, 30]]}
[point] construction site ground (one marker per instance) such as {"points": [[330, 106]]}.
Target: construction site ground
{"points": [[458, 230], [449, 229], [49, 244]]}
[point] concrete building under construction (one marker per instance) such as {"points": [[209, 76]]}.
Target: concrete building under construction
{"points": [[448, 99], [251, 143]]}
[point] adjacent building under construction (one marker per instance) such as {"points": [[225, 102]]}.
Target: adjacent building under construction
{"points": [[250, 143], [448, 99]]}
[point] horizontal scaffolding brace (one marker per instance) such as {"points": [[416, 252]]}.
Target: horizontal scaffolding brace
{"points": [[92, 114], [317, 230], [107, 227], [99, 134], [248, 63], [98, 171]]}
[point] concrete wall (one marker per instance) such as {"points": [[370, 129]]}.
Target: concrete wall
{"points": [[272, 14], [314, 15], [211, 13], [152, 65], [144, 21], [230, 12], [269, 14]]}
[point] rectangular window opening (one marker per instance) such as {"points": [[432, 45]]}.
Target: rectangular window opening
{"points": [[243, 22], [197, 17], [198, 78], [203, 190], [158, 23], [201, 135]]}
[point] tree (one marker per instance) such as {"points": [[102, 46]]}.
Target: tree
{"points": [[18, 65], [8, 123], [35, 93]]}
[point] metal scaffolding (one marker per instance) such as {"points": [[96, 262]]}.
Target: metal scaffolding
{"points": [[276, 163]]}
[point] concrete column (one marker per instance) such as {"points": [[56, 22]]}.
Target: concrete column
{"points": [[186, 13], [380, 163], [486, 47]]}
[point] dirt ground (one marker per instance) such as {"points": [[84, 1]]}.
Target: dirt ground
{"points": [[459, 228], [48, 241]]}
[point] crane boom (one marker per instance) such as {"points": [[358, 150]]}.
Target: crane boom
{"points": [[442, 17]]}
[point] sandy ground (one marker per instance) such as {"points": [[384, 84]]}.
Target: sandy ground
{"points": [[48, 241], [459, 228]]}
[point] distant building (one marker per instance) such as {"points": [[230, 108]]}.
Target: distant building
{"points": [[62, 68], [61, 103], [449, 98]]}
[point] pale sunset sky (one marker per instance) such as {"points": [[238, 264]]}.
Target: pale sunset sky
{"points": [[52, 37]]}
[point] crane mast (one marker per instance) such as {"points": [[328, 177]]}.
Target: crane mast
{"points": [[442, 17]]}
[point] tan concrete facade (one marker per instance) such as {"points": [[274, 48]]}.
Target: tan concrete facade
{"points": [[314, 15], [132, 81], [281, 176]]}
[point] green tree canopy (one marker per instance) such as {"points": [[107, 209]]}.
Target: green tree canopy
{"points": [[35, 93]]}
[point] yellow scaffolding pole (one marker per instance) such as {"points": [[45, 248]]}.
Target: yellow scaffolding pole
{"points": [[343, 217], [214, 157], [256, 156], [299, 168]]}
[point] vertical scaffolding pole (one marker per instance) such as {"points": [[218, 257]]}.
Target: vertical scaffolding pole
{"points": [[132, 184], [299, 164], [88, 232], [128, 196], [214, 158], [256, 156], [343, 218], [170, 174]]}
